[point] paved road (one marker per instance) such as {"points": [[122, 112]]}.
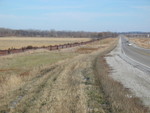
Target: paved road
{"points": [[127, 63], [139, 56]]}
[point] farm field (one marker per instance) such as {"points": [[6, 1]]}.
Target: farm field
{"points": [[142, 42], [18, 42]]}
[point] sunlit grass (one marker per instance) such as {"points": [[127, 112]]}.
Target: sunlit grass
{"points": [[18, 42]]}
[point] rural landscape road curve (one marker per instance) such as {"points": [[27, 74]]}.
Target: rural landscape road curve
{"points": [[131, 73]]}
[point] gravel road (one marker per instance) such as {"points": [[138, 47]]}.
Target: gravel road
{"points": [[129, 75]]}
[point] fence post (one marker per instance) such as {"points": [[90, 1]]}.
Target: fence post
{"points": [[8, 51]]}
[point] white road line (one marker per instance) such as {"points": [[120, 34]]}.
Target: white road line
{"points": [[133, 59]]}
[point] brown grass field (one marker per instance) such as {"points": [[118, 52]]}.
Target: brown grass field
{"points": [[142, 42], [72, 80], [18, 42]]}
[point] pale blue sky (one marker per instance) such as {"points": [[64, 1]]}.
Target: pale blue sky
{"points": [[76, 15]]}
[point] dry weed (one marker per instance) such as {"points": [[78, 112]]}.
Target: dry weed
{"points": [[142, 42], [10, 83], [119, 98], [19, 42], [60, 87]]}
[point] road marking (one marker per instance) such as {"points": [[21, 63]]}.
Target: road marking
{"points": [[133, 59]]}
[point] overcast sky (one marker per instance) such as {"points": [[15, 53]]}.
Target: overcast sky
{"points": [[76, 15]]}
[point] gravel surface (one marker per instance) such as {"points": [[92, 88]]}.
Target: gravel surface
{"points": [[131, 77]]}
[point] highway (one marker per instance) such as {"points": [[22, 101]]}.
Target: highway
{"points": [[138, 56], [131, 67]]}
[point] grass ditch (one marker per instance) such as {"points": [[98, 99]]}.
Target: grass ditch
{"points": [[97, 101], [117, 98]]}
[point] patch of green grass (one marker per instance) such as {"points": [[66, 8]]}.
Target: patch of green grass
{"points": [[96, 101], [27, 62]]}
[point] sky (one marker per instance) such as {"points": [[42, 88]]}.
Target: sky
{"points": [[76, 15]]}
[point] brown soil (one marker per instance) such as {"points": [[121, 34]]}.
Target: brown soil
{"points": [[3, 70], [86, 50], [27, 73]]}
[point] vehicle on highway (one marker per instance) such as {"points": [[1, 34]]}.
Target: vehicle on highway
{"points": [[129, 44]]}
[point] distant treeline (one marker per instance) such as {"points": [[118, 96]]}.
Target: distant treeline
{"points": [[52, 33], [136, 34]]}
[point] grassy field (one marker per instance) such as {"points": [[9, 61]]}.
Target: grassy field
{"points": [[13, 68], [142, 42], [18, 42], [66, 81]]}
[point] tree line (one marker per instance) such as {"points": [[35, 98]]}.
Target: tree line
{"points": [[52, 33]]}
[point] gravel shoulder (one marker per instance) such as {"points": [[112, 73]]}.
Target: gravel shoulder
{"points": [[130, 76]]}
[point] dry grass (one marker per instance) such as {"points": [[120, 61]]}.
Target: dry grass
{"points": [[15, 69], [18, 42], [28, 63], [100, 45], [37, 83], [117, 98], [142, 42], [86, 50]]}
